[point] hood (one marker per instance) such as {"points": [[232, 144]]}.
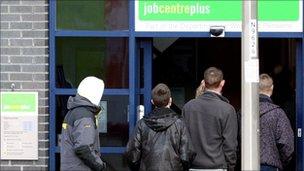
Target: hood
{"points": [[79, 101], [161, 119], [266, 104], [91, 88]]}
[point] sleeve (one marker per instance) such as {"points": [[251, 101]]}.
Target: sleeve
{"points": [[84, 136], [285, 137], [186, 149], [230, 130], [134, 147]]}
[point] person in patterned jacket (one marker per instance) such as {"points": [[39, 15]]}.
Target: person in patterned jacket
{"points": [[276, 134]]}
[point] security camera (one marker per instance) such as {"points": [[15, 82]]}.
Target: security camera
{"points": [[217, 31]]}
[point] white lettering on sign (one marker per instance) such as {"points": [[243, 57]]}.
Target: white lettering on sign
{"points": [[194, 9], [199, 16], [253, 39]]}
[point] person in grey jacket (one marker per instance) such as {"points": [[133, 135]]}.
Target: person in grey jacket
{"points": [[276, 134], [80, 137], [161, 140], [212, 124]]}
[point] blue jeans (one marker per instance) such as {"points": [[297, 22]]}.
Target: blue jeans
{"points": [[268, 168]]}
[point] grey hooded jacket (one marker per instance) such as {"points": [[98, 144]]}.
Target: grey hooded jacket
{"points": [[80, 140]]}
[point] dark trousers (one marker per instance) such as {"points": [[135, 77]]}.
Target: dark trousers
{"points": [[268, 168]]}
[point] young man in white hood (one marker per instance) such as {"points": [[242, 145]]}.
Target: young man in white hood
{"points": [[80, 140]]}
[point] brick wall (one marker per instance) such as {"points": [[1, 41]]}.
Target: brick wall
{"points": [[24, 62]]}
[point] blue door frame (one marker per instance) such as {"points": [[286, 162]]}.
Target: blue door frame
{"points": [[300, 103], [147, 47], [144, 40], [133, 78]]}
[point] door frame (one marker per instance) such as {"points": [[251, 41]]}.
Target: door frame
{"points": [[299, 104], [147, 46]]}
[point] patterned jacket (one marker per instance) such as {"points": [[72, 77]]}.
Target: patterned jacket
{"points": [[276, 135]]}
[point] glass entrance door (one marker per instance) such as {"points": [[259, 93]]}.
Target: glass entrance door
{"points": [[182, 63], [144, 57]]}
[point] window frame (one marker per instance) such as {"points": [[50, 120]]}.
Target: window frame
{"points": [[134, 91], [54, 91]]}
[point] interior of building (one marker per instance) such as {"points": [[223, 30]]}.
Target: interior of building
{"points": [[182, 63]]}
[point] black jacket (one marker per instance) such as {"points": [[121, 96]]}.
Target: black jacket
{"points": [[160, 143], [212, 124], [79, 137]]}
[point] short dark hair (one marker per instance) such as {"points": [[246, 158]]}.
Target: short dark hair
{"points": [[161, 95], [213, 77]]}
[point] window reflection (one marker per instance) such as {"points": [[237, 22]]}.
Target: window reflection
{"points": [[113, 124], [92, 14], [61, 111], [105, 58], [115, 162], [116, 131]]}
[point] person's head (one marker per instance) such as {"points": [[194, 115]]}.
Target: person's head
{"points": [[92, 89], [161, 96], [213, 78], [266, 84]]}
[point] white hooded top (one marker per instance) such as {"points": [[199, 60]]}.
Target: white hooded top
{"points": [[91, 88]]}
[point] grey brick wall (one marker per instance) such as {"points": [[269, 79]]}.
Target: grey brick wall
{"points": [[24, 62]]}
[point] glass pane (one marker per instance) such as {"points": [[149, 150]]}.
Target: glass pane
{"points": [[115, 132], [113, 124], [61, 111], [115, 162], [105, 58], [92, 15], [57, 159]]}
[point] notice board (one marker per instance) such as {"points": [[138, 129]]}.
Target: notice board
{"points": [[19, 125]]}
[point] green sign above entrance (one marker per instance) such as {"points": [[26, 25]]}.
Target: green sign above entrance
{"points": [[215, 10], [201, 15]]}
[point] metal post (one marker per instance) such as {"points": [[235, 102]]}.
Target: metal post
{"points": [[250, 79]]}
